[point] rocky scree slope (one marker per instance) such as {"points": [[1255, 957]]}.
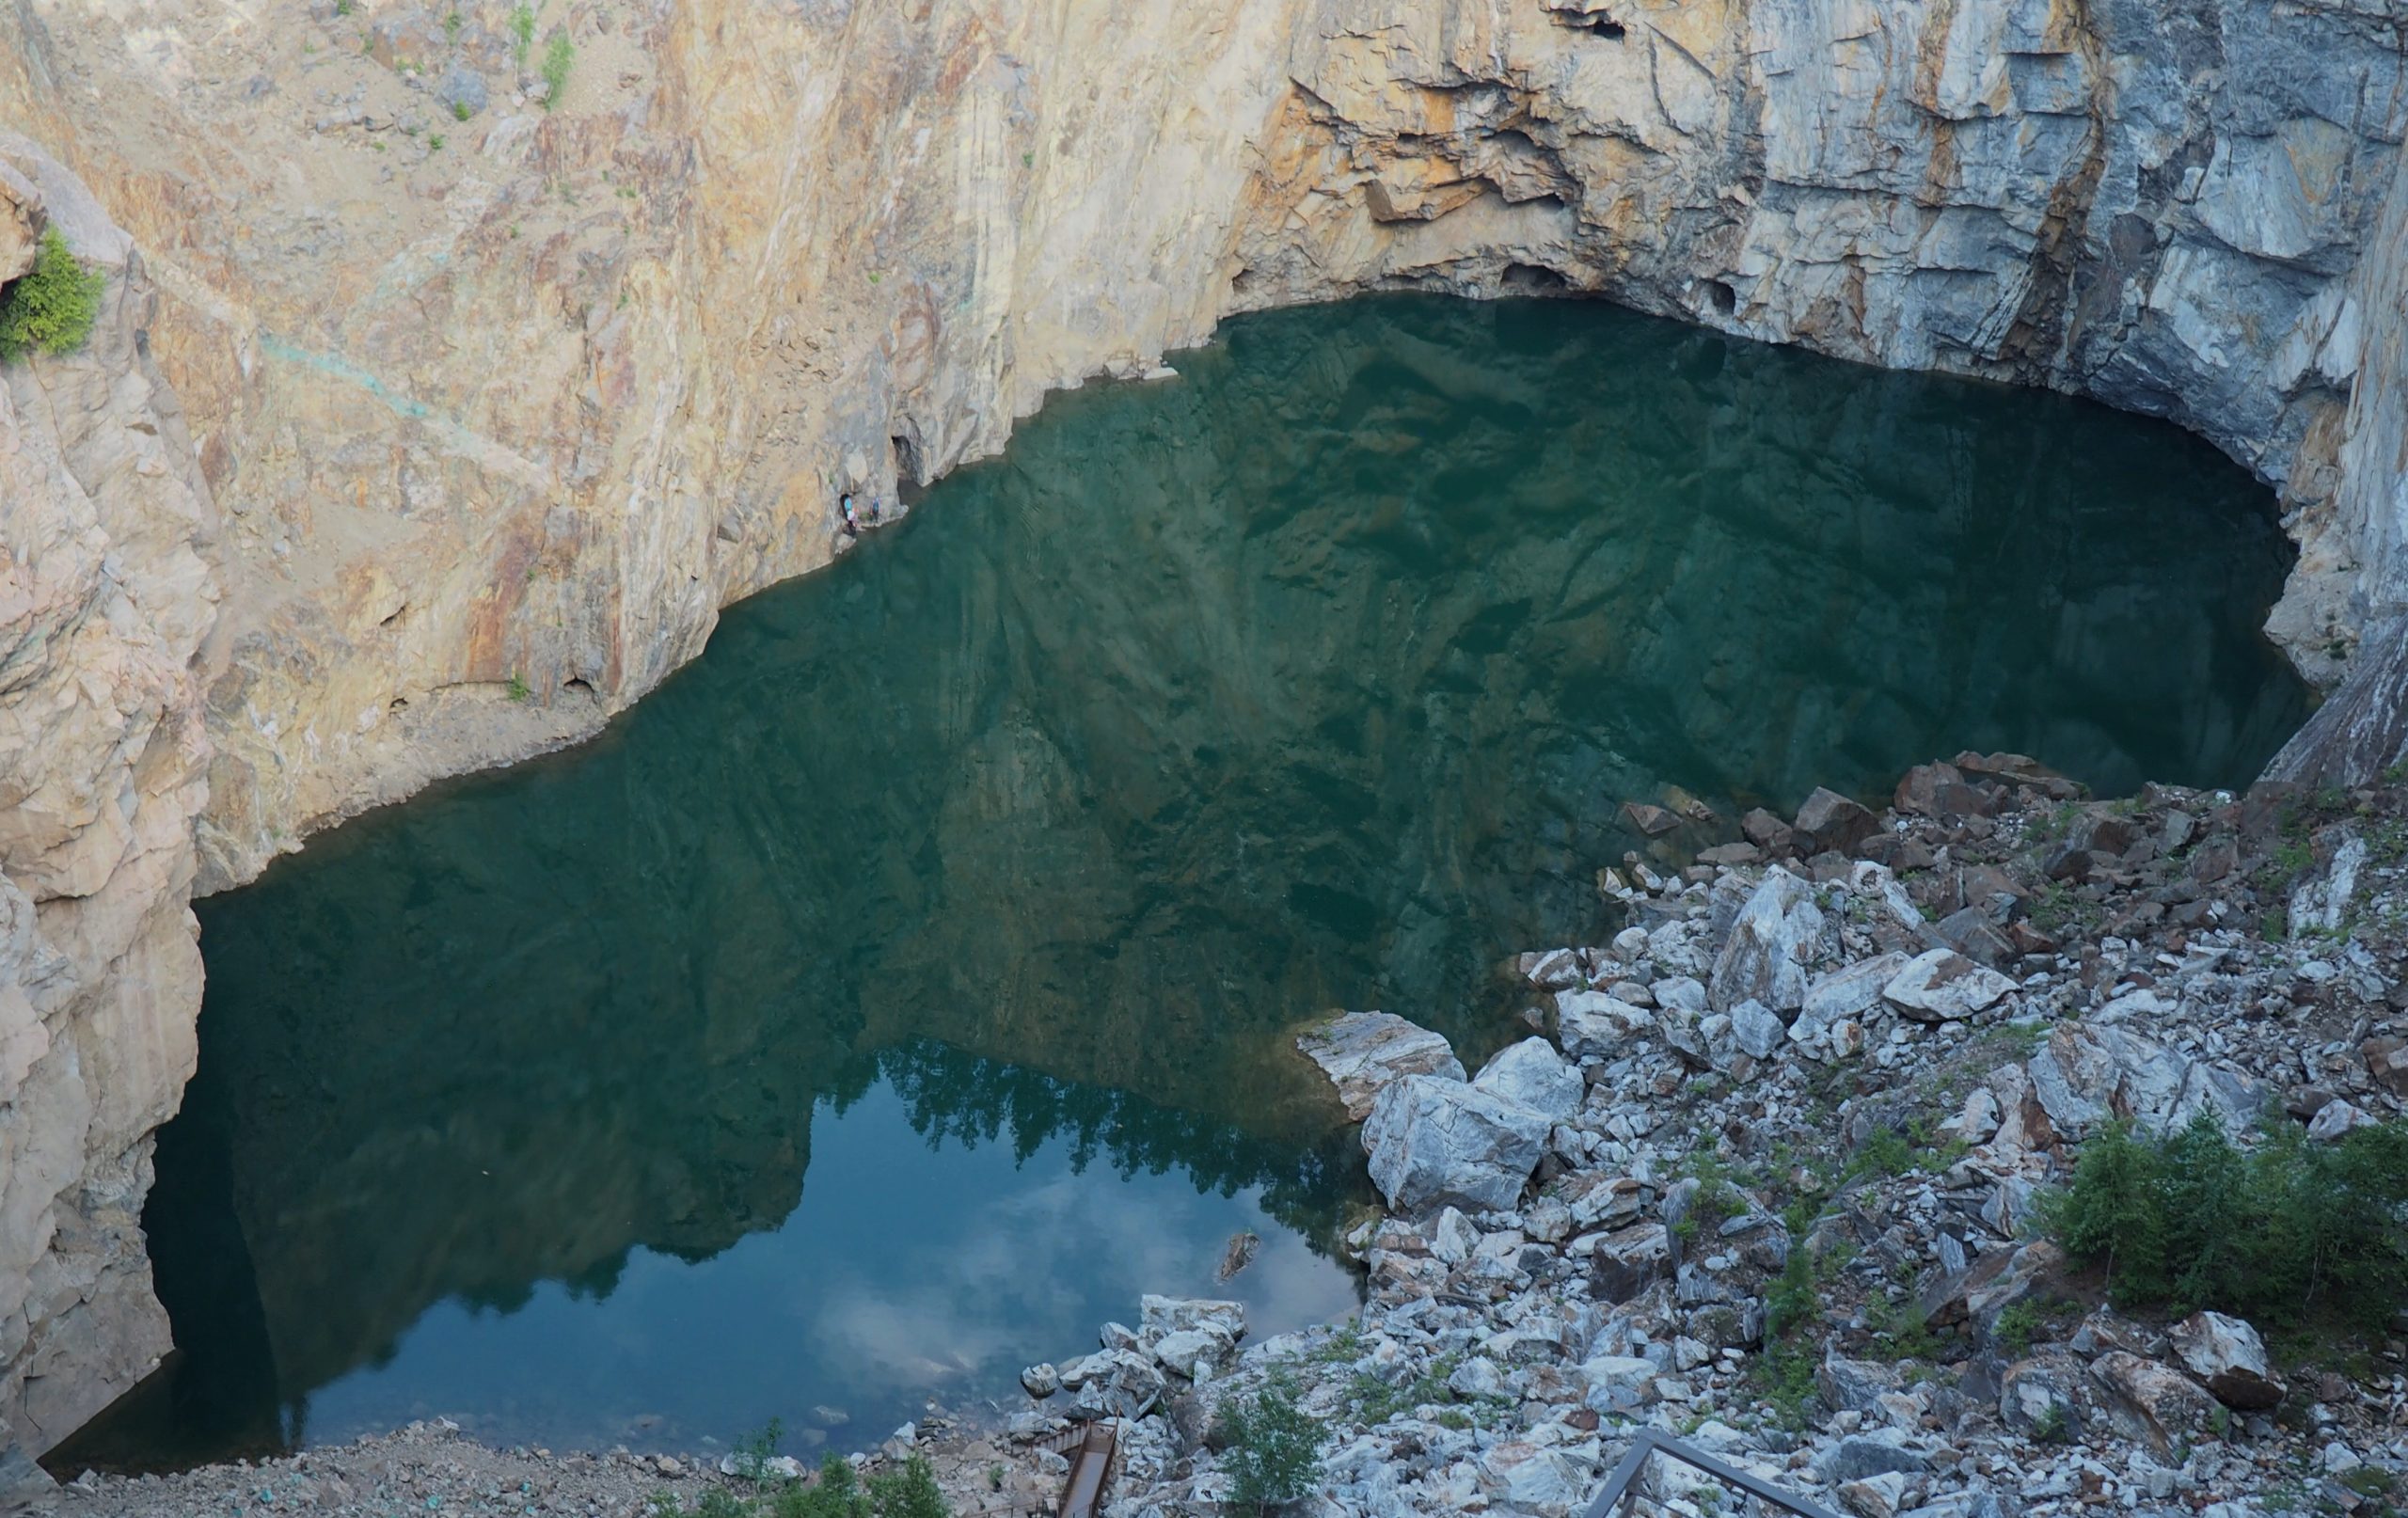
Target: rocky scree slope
{"points": [[505, 390], [1876, 1055]]}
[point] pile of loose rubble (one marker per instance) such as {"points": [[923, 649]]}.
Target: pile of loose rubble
{"points": [[1913, 1020]]}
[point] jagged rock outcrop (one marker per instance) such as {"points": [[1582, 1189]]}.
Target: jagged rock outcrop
{"points": [[504, 398], [104, 597]]}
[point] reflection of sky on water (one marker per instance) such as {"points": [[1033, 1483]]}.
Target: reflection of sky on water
{"points": [[907, 1268]]}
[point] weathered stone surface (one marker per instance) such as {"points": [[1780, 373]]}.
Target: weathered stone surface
{"points": [[2153, 1402], [1773, 941], [1834, 822], [1531, 1074], [1362, 1053], [104, 602], [2042, 1394], [461, 91], [1990, 1285], [1756, 1030], [21, 221], [1626, 1261], [1848, 991], [2086, 1075], [1943, 986], [1856, 1458], [1432, 1141], [2321, 902], [1874, 1496], [1159, 1316], [2227, 1354], [1594, 1023], [2387, 1060], [2336, 1120]]}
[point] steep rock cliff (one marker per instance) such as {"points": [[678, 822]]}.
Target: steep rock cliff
{"points": [[503, 402], [103, 600]]}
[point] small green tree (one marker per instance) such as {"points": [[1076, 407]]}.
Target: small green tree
{"points": [[52, 305], [1273, 1448], [2290, 1230], [558, 54], [837, 1495], [908, 1492]]}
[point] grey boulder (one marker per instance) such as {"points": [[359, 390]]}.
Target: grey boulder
{"points": [[1435, 1142], [1532, 1074], [461, 86], [1943, 986], [1773, 939], [1592, 1022], [1362, 1053], [2228, 1355]]}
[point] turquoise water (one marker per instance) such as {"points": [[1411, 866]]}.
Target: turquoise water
{"points": [[906, 985]]}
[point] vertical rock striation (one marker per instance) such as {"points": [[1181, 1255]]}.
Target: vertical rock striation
{"points": [[104, 598]]}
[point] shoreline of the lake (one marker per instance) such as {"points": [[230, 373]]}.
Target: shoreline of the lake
{"points": [[1901, 1028]]}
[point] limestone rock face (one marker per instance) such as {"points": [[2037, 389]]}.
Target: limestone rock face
{"points": [[502, 410], [106, 597]]}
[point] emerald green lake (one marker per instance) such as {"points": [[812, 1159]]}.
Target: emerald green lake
{"points": [[907, 985]]}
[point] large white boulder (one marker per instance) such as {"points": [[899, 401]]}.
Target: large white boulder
{"points": [[1161, 1316], [1773, 941], [1592, 1022], [1534, 1075], [1943, 986], [1435, 1142], [2228, 1355], [1363, 1052], [1848, 991]]}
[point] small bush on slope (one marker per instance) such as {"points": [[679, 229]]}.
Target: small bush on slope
{"points": [[54, 305]]}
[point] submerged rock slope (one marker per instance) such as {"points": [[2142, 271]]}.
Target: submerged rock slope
{"points": [[506, 395]]}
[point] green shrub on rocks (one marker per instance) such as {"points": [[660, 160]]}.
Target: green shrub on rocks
{"points": [[558, 54], [2289, 1232], [909, 1491], [52, 305], [1273, 1448]]}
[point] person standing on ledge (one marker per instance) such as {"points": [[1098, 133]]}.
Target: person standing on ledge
{"points": [[852, 522]]}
